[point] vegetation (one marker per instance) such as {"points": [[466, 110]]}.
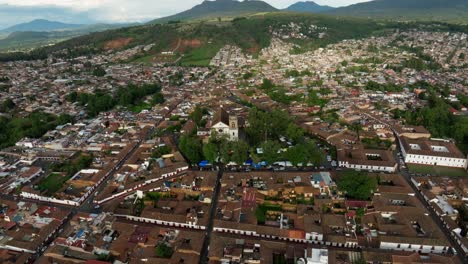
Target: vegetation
{"points": [[34, 125], [63, 172], [376, 143], [192, 148], [357, 185], [250, 33], [389, 87], [99, 71], [437, 170], [130, 96], [423, 10], [438, 119], [278, 94], [164, 251], [261, 211], [161, 151]]}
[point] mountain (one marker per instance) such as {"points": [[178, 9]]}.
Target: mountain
{"points": [[25, 40], [442, 10], [40, 25], [220, 8], [308, 6]]}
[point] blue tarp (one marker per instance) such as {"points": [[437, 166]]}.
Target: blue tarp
{"points": [[203, 163]]}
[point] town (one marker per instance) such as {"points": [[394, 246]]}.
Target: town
{"points": [[350, 153]]}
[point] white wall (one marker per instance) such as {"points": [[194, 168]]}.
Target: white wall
{"points": [[438, 161], [367, 167]]}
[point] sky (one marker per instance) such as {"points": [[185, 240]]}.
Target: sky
{"points": [[110, 11]]}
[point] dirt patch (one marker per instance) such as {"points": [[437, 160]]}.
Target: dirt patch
{"points": [[182, 45], [192, 43], [117, 43], [254, 49]]}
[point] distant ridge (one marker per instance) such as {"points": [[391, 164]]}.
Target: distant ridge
{"points": [[308, 6], [40, 25], [219, 8], [408, 9]]}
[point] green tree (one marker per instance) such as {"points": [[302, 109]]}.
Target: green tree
{"points": [[210, 151], [240, 151], [267, 84], [99, 71], [270, 151], [197, 115], [294, 133], [357, 128], [7, 105], [297, 154], [164, 251], [192, 148], [357, 185], [157, 98]]}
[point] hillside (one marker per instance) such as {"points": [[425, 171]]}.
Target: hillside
{"points": [[440, 10], [25, 40], [308, 6], [195, 43], [40, 25], [219, 8]]}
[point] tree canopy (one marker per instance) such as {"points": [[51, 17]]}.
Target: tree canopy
{"points": [[357, 185]]}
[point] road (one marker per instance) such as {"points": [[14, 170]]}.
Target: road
{"points": [[405, 173], [213, 209]]}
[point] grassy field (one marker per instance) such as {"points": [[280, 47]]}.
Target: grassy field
{"points": [[437, 171], [140, 107], [52, 183], [201, 56]]}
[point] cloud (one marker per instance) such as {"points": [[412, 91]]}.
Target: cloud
{"points": [[89, 11]]}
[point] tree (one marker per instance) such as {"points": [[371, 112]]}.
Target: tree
{"points": [[267, 84], [297, 154], [164, 251], [192, 148], [294, 133], [98, 71], [357, 128], [158, 98], [210, 151], [197, 115], [270, 151], [7, 105], [65, 119], [240, 151], [357, 185]]}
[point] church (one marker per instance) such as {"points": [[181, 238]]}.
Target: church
{"points": [[228, 124]]}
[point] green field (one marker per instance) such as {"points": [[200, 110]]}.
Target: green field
{"points": [[201, 56], [139, 107], [52, 183], [437, 171]]}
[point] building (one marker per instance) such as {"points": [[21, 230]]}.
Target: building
{"points": [[226, 124], [367, 159], [413, 132], [433, 152]]}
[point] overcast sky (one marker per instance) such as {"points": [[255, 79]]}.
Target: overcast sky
{"points": [[88, 11]]}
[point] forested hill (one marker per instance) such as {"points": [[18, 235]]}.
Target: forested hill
{"points": [[437, 10], [308, 6], [219, 8], [40, 25]]}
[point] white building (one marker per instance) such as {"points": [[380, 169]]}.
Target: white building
{"points": [[434, 152], [225, 124], [367, 160], [316, 256]]}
